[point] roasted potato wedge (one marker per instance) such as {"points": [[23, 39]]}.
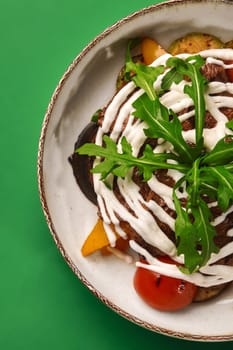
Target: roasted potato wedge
{"points": [[194, 42]]}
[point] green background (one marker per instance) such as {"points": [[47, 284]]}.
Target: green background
{"points": [[42, 303]]}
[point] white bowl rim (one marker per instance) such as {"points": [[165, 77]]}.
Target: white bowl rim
{"points": [[40, 173]]}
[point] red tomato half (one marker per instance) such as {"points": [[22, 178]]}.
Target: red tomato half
{"points": [[162, 292]]}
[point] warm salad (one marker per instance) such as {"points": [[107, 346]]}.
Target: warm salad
{"points": [[158, 163]]}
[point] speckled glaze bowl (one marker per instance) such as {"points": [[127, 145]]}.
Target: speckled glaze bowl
{"points": [[87, 85]]}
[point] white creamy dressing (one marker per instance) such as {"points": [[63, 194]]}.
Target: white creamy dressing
{"points": [[140, 217]]}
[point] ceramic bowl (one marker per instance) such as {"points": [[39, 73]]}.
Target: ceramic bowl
{"points": [[87, 85]]}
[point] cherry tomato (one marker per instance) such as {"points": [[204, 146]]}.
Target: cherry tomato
{"points": [[230, 72], [162, 292]]}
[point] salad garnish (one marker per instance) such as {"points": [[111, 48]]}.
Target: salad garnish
{"points": [[206, 174]]}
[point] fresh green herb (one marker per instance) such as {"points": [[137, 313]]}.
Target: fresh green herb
{"points": [[205, 231], [119, 163], [204, 173], [230, 124], [224, 184], [222, 153], [186, 234], [187, 238], [190, 68], [95, 116], [193, 229], [148, 106], [142, 75], [157, 118], [193, 182]]}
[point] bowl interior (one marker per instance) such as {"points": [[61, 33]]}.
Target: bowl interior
{"points": [[87, 85]]}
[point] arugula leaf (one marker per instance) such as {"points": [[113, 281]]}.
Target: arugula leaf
{"points": [[172, 76], [208, 185], [202, 217], [143, 76], [193, 183], [224, 185], [230, 124], [95, 116], [229, 167], [201, 214], [222, 153], [190, 68], [156, 117], [119, 163], [193, 229], [186, 236]]}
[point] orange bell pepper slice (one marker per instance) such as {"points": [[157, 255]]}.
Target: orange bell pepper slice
{"points": [[97, 239], [151, 50]]}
